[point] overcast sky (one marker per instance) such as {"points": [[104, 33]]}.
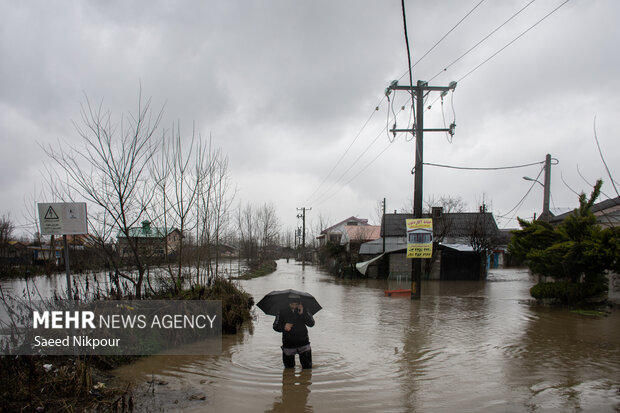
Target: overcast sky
{"points": [[286, 87]]}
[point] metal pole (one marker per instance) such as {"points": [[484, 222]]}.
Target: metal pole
{"points": [[303, 239], [64, 239]]}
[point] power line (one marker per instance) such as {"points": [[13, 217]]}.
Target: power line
{"points": [[445, 69], [483, 168], [518, 205], [514, 40], [346, 151], [357, 174], [369, 163], [320, 199], [444, 36], [500, 50], [384, 97], [483, 40]]}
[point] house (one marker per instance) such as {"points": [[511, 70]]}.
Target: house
{"points": [[347, 236], [355, 235], [228, 251], [14, 253], [351, 231], [607, 213], [44, 253], [460, 237], [81, 250], [151, 241]]}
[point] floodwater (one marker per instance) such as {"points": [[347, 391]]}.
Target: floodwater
{"points": [[44, 287], [465, 346]]}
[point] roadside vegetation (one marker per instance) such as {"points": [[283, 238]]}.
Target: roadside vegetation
{"points": [[571, 258], [264, 268]]}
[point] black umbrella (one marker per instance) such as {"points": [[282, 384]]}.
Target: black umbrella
{"points": [[276, 300]]}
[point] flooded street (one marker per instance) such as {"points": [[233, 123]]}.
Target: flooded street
{"points": [[466, 346]]}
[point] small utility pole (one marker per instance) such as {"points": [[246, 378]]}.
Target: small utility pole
{"points": [[303, 233], [546, 214], [383, 225], [419, 92]]}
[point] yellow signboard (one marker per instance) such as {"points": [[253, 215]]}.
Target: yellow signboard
{"points": [[420, 238]]}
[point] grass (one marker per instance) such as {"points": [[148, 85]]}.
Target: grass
{"points": [[265, 268], [590, 313]]}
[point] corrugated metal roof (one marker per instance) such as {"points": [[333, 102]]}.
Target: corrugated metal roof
{"points": [[376, 246], [455, 224], [458, 247]]}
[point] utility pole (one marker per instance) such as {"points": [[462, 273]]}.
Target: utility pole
{"points": [[384, 265], [419, 92], [383, 225], [303, 233], [546, 214]]}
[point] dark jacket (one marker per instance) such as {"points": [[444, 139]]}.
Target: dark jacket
{"points": [[298, 336]]}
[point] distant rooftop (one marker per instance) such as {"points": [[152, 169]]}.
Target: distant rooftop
{"points": [[455, 224], [147, 231]]}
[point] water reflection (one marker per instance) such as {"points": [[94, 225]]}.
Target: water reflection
{"points": [[295, 392]]}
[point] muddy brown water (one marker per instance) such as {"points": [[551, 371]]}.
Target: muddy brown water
{"points": [[464, 347]]}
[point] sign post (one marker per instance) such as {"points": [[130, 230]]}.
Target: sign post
{"points": [[63, 219]]}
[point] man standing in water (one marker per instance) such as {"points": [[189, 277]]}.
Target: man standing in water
{"points": [[291, 321]]}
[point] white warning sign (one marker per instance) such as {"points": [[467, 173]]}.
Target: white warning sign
{"points": [[63, 218], [50, 214]]}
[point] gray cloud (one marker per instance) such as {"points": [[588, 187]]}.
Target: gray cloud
{"points": [[285, 87]]}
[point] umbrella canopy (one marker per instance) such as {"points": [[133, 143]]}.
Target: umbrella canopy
{"points": [[276, 300]]}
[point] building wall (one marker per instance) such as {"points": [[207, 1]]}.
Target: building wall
{"points": [[400, 266], [614, 288]]}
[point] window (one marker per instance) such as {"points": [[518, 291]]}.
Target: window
{"points": [[420, 237], [335, 238]]}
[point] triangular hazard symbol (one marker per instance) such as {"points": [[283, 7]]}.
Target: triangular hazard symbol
{"points": [[51, 214]]}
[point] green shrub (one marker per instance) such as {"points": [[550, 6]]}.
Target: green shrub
{"points": [[236, 303], [567, 293]]}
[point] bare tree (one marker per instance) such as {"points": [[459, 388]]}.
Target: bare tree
{"points": [[378, 212], [248, 233], [320, 223], [448, 203], [178, 178], [6, 229], [483, 233], [288, 238], [259, 229], [269, 227], [213, 207], [109, 168]]}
